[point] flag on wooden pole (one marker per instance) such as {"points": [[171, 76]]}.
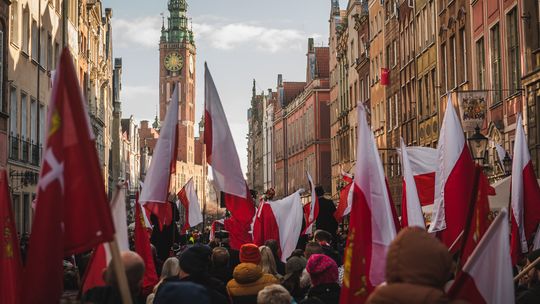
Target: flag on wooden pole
{"points": [[188, 198]]}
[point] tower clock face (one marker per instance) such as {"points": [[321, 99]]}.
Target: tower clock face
{"points": [[174, 62]]}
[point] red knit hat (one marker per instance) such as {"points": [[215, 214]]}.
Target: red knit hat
{"points": [[249, 253], [322, 269]]}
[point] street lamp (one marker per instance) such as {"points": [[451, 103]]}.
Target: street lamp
{"points": [[507, 164], [478, 144]]}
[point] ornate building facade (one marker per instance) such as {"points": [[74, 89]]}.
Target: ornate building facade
{"points": [[256, 113]]}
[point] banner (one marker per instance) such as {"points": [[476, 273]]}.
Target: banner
{"points": [[472, 109]]}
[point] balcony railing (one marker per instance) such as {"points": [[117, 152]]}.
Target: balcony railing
{"points": [[24, 150]]}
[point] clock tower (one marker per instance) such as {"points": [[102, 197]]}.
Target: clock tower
{"points": [[177, 55]]}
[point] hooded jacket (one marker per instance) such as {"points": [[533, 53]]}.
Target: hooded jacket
{"points": [[248, 280], [417, 268]]}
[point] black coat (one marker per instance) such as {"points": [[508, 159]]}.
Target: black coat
{"points": [[164, 239], [216, 289], [327, 293], [326, 220], [531, 295]]}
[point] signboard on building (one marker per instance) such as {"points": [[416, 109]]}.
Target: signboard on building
{"points": [[472, 109]]}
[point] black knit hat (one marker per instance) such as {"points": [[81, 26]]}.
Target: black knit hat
{"points": [[195, 259]]}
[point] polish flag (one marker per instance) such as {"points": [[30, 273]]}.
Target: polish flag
{"points": [[501, 153], [454, 180], [372, 225], [221, 154], [155, 192], [102, 255], [143, 248], [220, 222], [411, 210], [345, 197], [188, 197], [265, 225], [424, 163], [10, 255], [313, 211], [525, 197], [487, 276]]}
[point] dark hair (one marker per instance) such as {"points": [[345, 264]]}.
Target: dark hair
{"points": [[322, 235], [220, 256], [319, 190], [312, 248], [273, 245]]}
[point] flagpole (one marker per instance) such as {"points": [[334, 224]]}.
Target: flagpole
{"points": [[118, 267], [527, 269]]}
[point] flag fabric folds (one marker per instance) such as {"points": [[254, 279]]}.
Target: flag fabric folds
{"points": [[454, 180], [525, 197], [155, 191], [424, 163], [10, 254], [411, 210], [345, 197], [102, 255], [222, 156], [372, 226], [279, 220], [188, 198], [487, 276], [72, 214], [313, 213], [142, 247]]}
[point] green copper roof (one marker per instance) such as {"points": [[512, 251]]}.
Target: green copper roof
{"points": [[177, 30]]}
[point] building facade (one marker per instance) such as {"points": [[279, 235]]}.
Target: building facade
{"points": [[255, 170], [32, 47], [4, 101]]}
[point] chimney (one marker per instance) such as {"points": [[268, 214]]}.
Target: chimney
{"points": [[279, 80]]}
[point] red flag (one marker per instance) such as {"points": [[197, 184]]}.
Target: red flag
{"points": [[72, 213], [142, 247], [454, 180], [10, 255], [222, 156], [479, 219], [385, 76], [372, 225], [424, 163], [487, 275], [265, 226], [345, 198], [525, 197], [94, 272]]}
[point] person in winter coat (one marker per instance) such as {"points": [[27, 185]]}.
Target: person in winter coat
{"points": [[323, 273], [248, 278], [326, 220], [194, 265], [417, 268], [291, 281], [220, 265]]}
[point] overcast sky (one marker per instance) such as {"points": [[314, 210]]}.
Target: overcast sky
{"points": [[240, 39]]}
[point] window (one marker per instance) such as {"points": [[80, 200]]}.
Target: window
{"points": [[33, 120], [13, 110], [390, 114], [35, 37], [396, 109], [14, 26], [43, 48], [362, 96], [24, 114], [513, 51], [433, 88], [420, 99], [452, 62], [50, 52], [25, 30], [41, 124], [496, 85], [481, 61], [463, 56], [443, 69], [395, 52]]}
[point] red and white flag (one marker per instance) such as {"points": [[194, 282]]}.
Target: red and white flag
{"points": [[424, 164], [188, 198], [411, 210], [102, 255], [72, 213], [372, 225], [221, 154], [143, 248], [155, 192], [281, 221], [487, 276], [10, 255], [220, 222], [345, 197], [313, 209], [454, 180], [525, 197]]}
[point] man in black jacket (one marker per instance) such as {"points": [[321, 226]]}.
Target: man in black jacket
{"points": [[326, 220]]}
